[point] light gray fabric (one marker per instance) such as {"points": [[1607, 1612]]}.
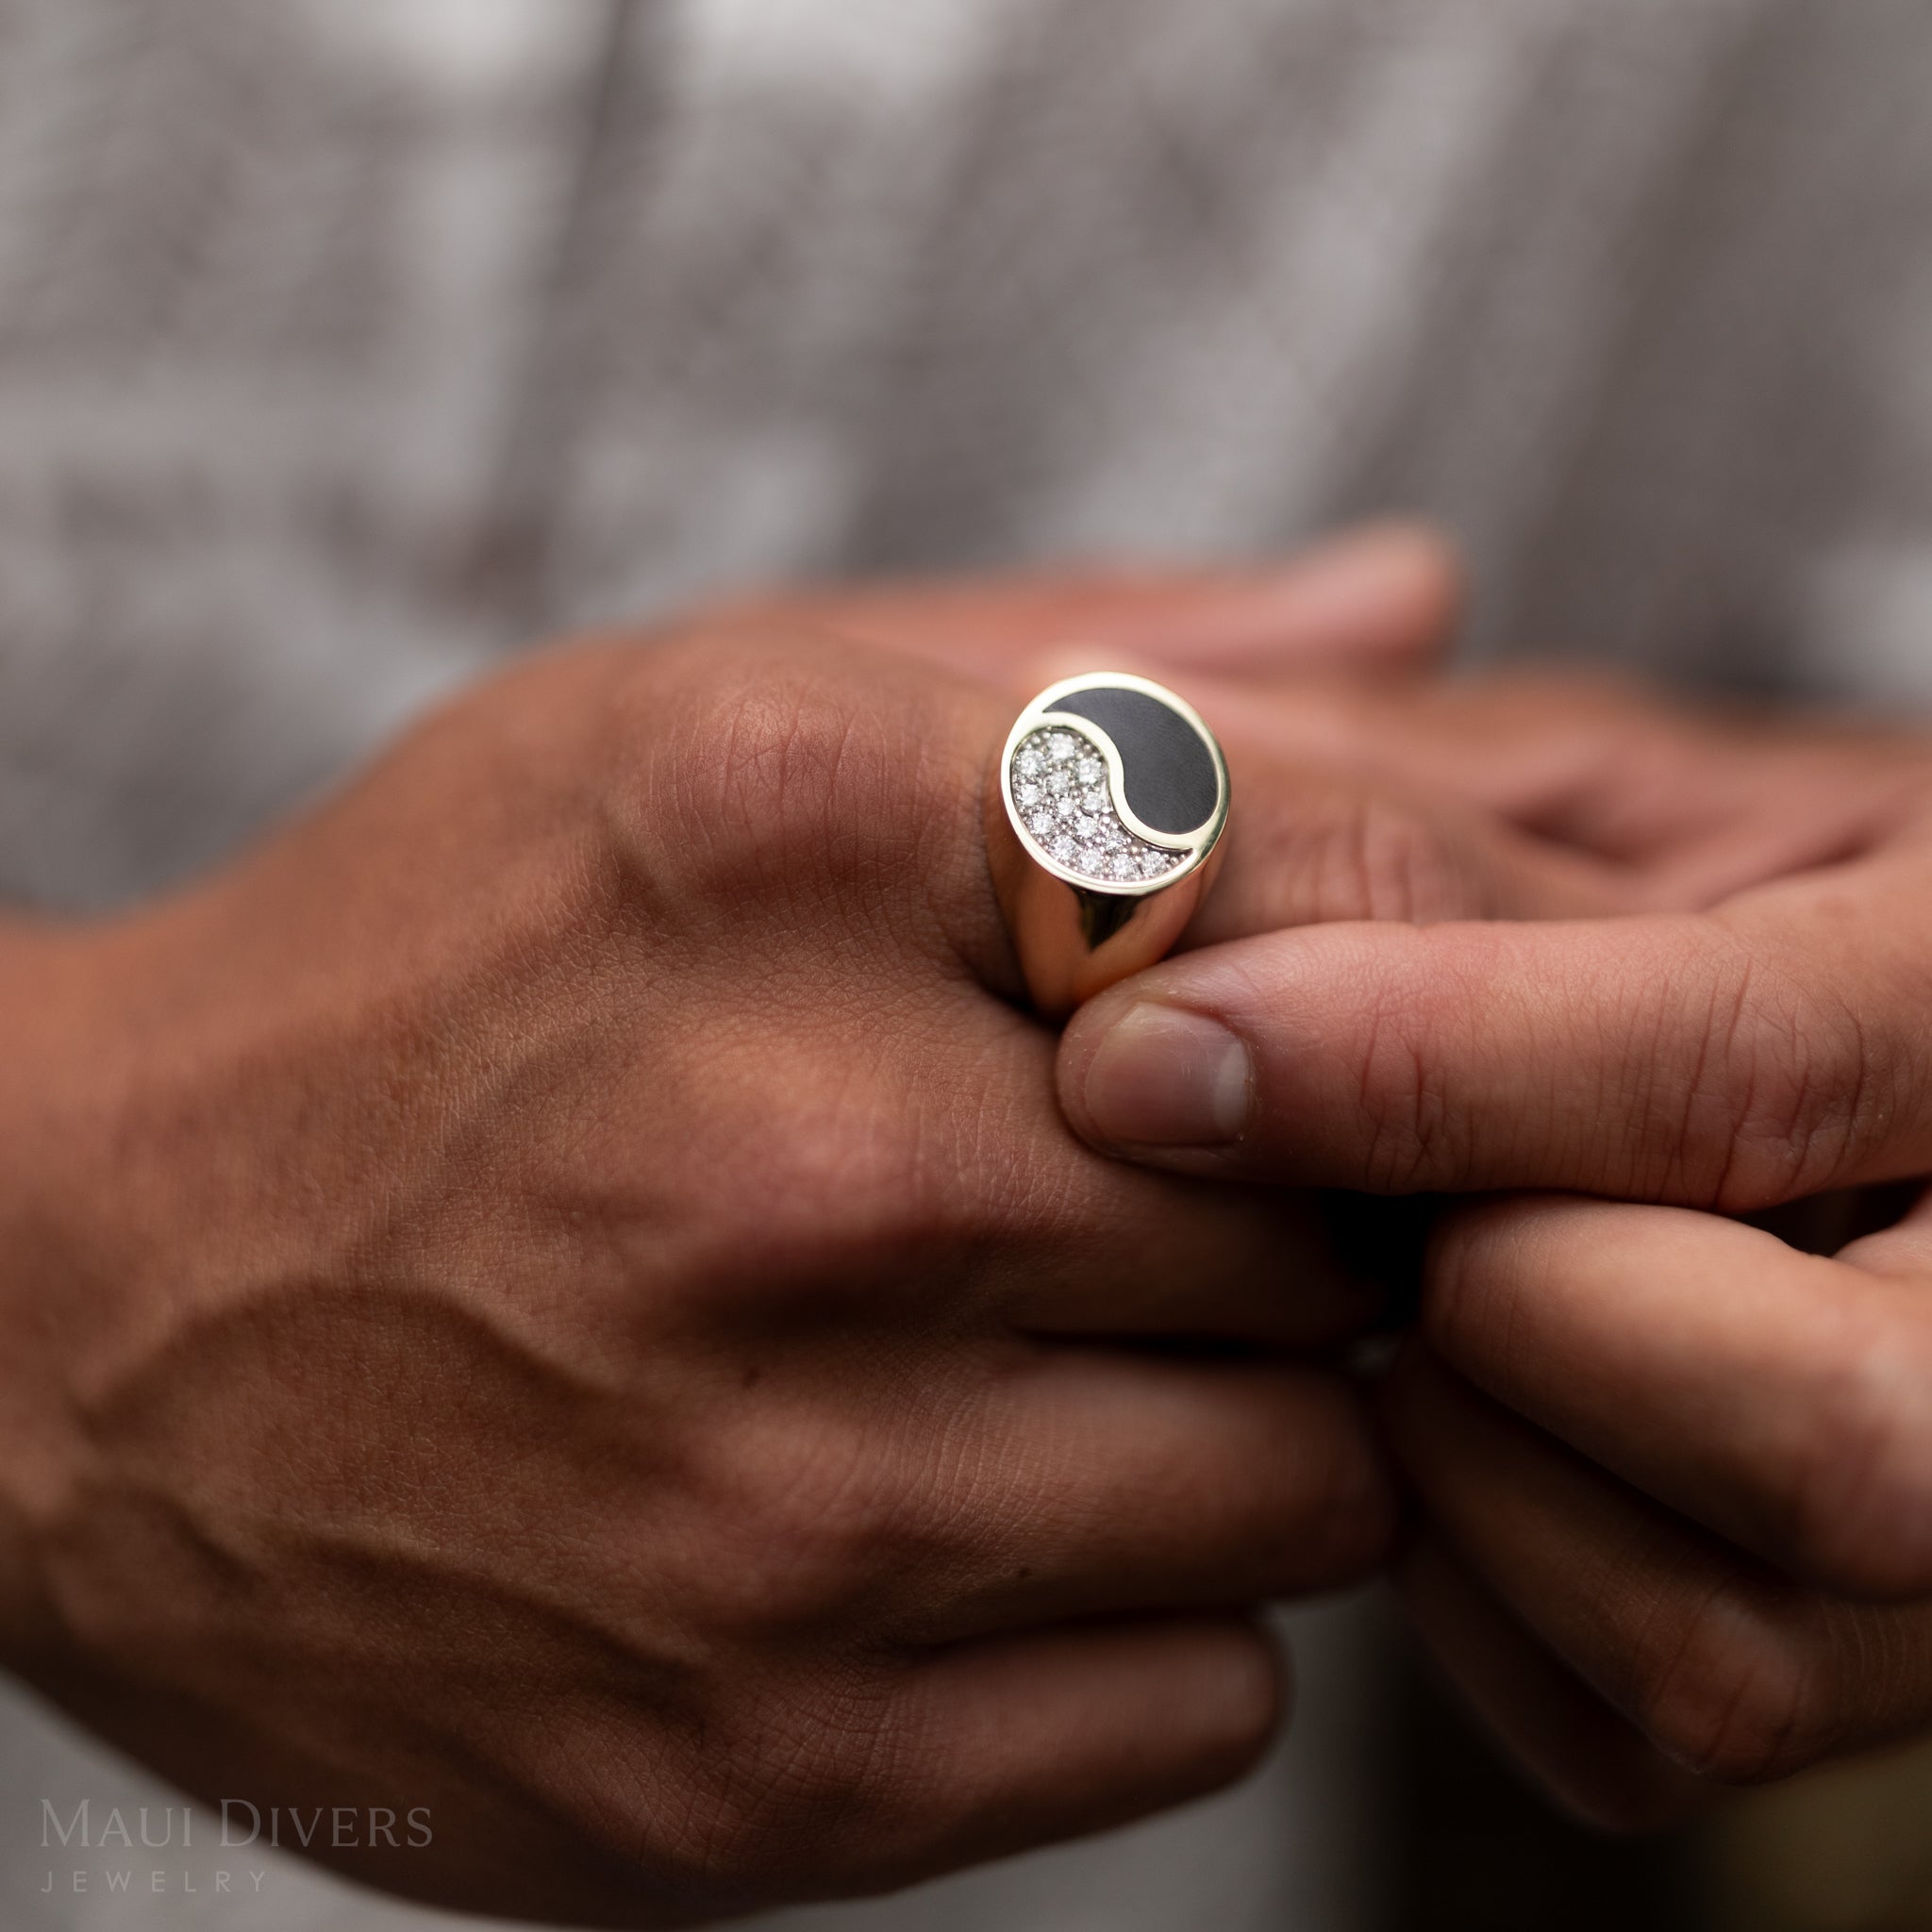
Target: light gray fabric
{"points": [[346, 344]]}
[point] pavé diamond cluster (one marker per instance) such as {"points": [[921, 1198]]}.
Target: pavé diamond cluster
{"points": [[1059, 781]]}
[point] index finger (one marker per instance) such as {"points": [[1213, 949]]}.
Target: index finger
{"points": [[1774, 1396], [1379, 597]]}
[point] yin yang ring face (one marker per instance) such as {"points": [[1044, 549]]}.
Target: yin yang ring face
{"points": [[1114, 784]]}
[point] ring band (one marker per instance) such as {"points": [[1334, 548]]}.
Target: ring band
{"points": [[1104, 821]]}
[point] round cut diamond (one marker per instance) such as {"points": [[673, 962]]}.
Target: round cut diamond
{"points": [[1058, 788]]}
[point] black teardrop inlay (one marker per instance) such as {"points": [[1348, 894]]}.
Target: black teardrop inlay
{"points": [[1171, 781]]}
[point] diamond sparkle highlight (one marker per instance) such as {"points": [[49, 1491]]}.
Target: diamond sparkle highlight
{"points": [[1057, 781]]}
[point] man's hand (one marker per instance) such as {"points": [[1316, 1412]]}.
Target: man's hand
{"points": [[1677, 1477], [1677, 1489], [557, 1292]]}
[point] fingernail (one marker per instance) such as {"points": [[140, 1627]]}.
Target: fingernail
{"points": [[1165, 1077]]}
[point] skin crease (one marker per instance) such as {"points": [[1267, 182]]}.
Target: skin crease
{"points": [[556, 1289], [1673, 1475]]}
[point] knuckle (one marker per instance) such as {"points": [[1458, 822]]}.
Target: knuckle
{"points": [[1373, 857], [1414, 1137], [1486, 1272], [812, 772], [815, 1780], [760, 1786], [1858, 1486], [1340, 1526], [764, 756], [1782, 1092], [856, 1193], [822, 1518], [1469, 1303], [1739, 1696]]}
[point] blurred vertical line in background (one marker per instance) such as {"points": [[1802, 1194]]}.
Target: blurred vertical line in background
{"points": [[617, 103]]}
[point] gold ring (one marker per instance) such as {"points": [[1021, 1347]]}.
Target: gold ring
{"points": [[1105, 816]]}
